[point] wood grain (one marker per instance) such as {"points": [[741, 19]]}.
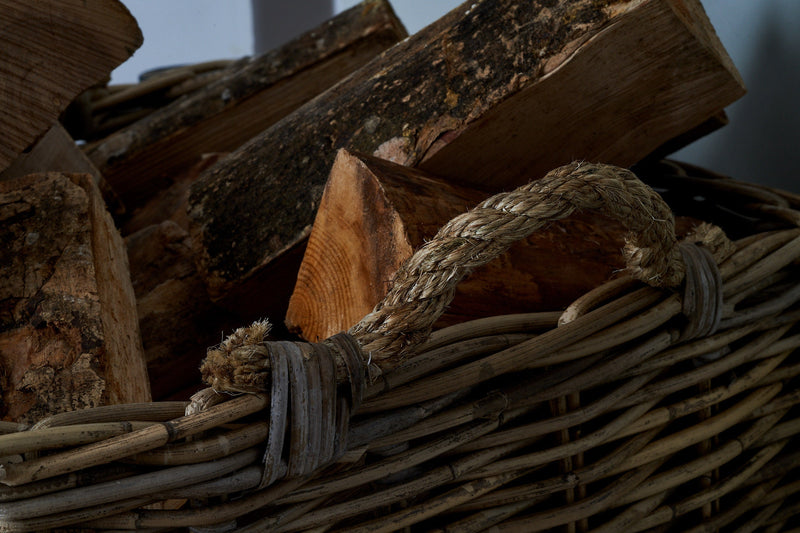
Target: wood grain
{"points": [[374, 214], [53, 50]]}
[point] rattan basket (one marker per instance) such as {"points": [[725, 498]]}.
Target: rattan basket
{"points": [[664, 400]]}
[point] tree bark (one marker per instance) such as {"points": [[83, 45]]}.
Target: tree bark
{"points": [[53, 50], [69, 337], [143, 158], [103, 109], [492, 95], [374, 214]]}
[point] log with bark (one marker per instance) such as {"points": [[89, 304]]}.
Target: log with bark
{"points": [[492, 95], [103, 109], [53, 50], [374, 214], [144, 157], [177, 320], [69, 336]]}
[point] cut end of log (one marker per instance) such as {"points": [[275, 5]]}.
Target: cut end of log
{"points": [[84, 43], [357, 244], [374, 214]]}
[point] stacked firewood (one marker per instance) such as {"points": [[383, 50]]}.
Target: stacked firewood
{"points": [[291, 185]]}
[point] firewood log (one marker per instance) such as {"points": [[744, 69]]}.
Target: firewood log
{"points": [[145, 157], [492, 95], [374, 214], [178, 321], [69, 336], [56, 151]]}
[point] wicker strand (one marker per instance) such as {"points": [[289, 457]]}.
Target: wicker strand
{"points": [[702, 292], [454, 437]]}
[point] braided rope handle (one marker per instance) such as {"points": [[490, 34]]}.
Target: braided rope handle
{"points": [[310, 409], [425, 284]]}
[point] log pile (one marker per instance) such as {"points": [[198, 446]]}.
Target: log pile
{"points": [[290, 186]]}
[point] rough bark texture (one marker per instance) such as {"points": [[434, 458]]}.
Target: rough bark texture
{"points": [[374, 214], [145, 156], [178, 322], [654, 71], [493, 94], [69, 336], [53, 50]]}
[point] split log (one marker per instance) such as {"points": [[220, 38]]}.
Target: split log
{"points": [[374, 214], [144, 157], [53, 50], [56, 151], [178, 321], [169, 204], [69, 337], [492, 95]]}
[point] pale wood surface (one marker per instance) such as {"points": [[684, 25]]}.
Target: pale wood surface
{"points": [[53, 50], [69, 336], [374, 214], [144, 157], [489, 96]]}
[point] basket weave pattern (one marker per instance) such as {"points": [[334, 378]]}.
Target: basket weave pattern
{"points": [[664, 399]]}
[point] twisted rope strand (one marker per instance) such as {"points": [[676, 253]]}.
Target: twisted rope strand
{"points": [[426, 283]]}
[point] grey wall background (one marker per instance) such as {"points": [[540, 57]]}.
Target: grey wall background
{"points": [[761, 143]]}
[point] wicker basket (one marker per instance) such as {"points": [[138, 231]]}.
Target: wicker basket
{"points": [[664, 400]]}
